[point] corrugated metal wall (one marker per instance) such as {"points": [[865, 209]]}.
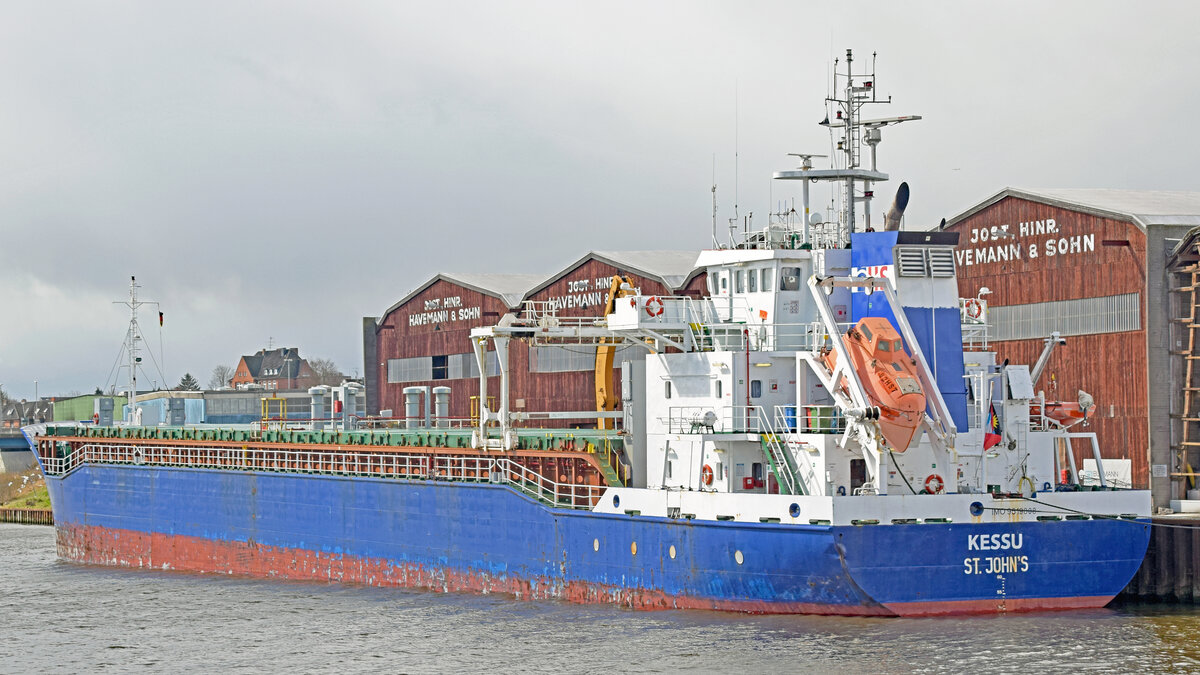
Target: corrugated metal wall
{"points": [[1056, 269], [83, 407]]}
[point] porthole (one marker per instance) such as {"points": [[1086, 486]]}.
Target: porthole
{"points": [[671, 552], [633, 548], [794, 510], [595, 544], [737, 555], [976, 509], [616, 501]]}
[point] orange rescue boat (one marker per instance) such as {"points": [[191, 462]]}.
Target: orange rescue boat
{"points": [[1062, 413], [889, 378]]}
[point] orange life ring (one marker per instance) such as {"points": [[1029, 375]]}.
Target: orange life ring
{"points": [[973, 308], [654, 306], [934, 484], [706, 475]]}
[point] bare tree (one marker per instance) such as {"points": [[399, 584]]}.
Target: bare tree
{"points": [[326, 372], [221, 376]]}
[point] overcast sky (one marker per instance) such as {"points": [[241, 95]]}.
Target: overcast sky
{"points": [[280, 170]]}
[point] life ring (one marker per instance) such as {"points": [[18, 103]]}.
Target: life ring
{"points": [[654, 306], [934, 484], [973, 308], [706, 475]]}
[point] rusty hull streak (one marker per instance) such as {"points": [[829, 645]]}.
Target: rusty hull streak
{"points": [[128, 548]]}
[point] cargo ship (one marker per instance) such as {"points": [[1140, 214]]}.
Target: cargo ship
{"points": [[826, 432]]}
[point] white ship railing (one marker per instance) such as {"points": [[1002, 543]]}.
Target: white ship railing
{"points": [[343, 462], [808, 419]]}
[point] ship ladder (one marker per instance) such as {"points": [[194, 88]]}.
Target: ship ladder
{"points": [[781, 463]]}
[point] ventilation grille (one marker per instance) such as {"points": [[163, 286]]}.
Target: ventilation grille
{"points": [[925, 262], [941, 262], [911, 262]]}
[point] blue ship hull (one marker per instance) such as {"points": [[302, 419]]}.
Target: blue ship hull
{"points": [[481, 537]]}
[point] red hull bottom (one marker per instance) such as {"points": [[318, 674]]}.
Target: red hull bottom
{"points": [[959, 607], [130, 548]]}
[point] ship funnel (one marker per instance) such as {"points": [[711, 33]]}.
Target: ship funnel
{"points": [[891, 219]]}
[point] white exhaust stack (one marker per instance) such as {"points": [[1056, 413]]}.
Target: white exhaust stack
{"points": [[891, 219]]}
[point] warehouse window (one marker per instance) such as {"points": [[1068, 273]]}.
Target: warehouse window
{"points": [[425, 368], [416, 369], [1086, 316], [563, 359], [465, 365]]}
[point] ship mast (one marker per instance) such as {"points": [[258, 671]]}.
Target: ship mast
{"points": [[843, 118], [133, 337]]}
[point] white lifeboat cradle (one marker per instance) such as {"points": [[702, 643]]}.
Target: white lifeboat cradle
{"points": [[728, 411]]}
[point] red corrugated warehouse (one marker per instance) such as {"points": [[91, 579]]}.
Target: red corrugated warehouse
{"points": [[1088, 264], [423, 339]]}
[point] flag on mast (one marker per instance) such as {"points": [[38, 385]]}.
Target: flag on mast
{"points": [[992, 436]]}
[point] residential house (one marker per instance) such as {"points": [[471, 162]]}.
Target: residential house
{"points": [[15, 414], [275, 369]]}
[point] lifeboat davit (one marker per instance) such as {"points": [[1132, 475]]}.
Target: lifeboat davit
{"points": [[1062, 413], [889, 378]]}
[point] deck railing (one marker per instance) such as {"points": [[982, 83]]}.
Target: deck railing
{"points": [[343, 462], [809, 419]]}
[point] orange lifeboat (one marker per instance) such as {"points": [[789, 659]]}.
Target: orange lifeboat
{"points": [[888, 376]]}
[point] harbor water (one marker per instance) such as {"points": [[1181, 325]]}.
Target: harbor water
{"points": [[62, 617]]}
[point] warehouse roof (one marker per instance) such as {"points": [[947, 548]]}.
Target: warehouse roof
{"points": [[1186, 252], [1141, 207], [672, 269], [509, 288]]}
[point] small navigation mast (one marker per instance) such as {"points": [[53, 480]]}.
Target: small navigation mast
{"points": [[132, 338], [849, 132]]}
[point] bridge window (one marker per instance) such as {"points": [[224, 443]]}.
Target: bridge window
{"points": [[789, 279], [753, 274], [739, 281]]}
